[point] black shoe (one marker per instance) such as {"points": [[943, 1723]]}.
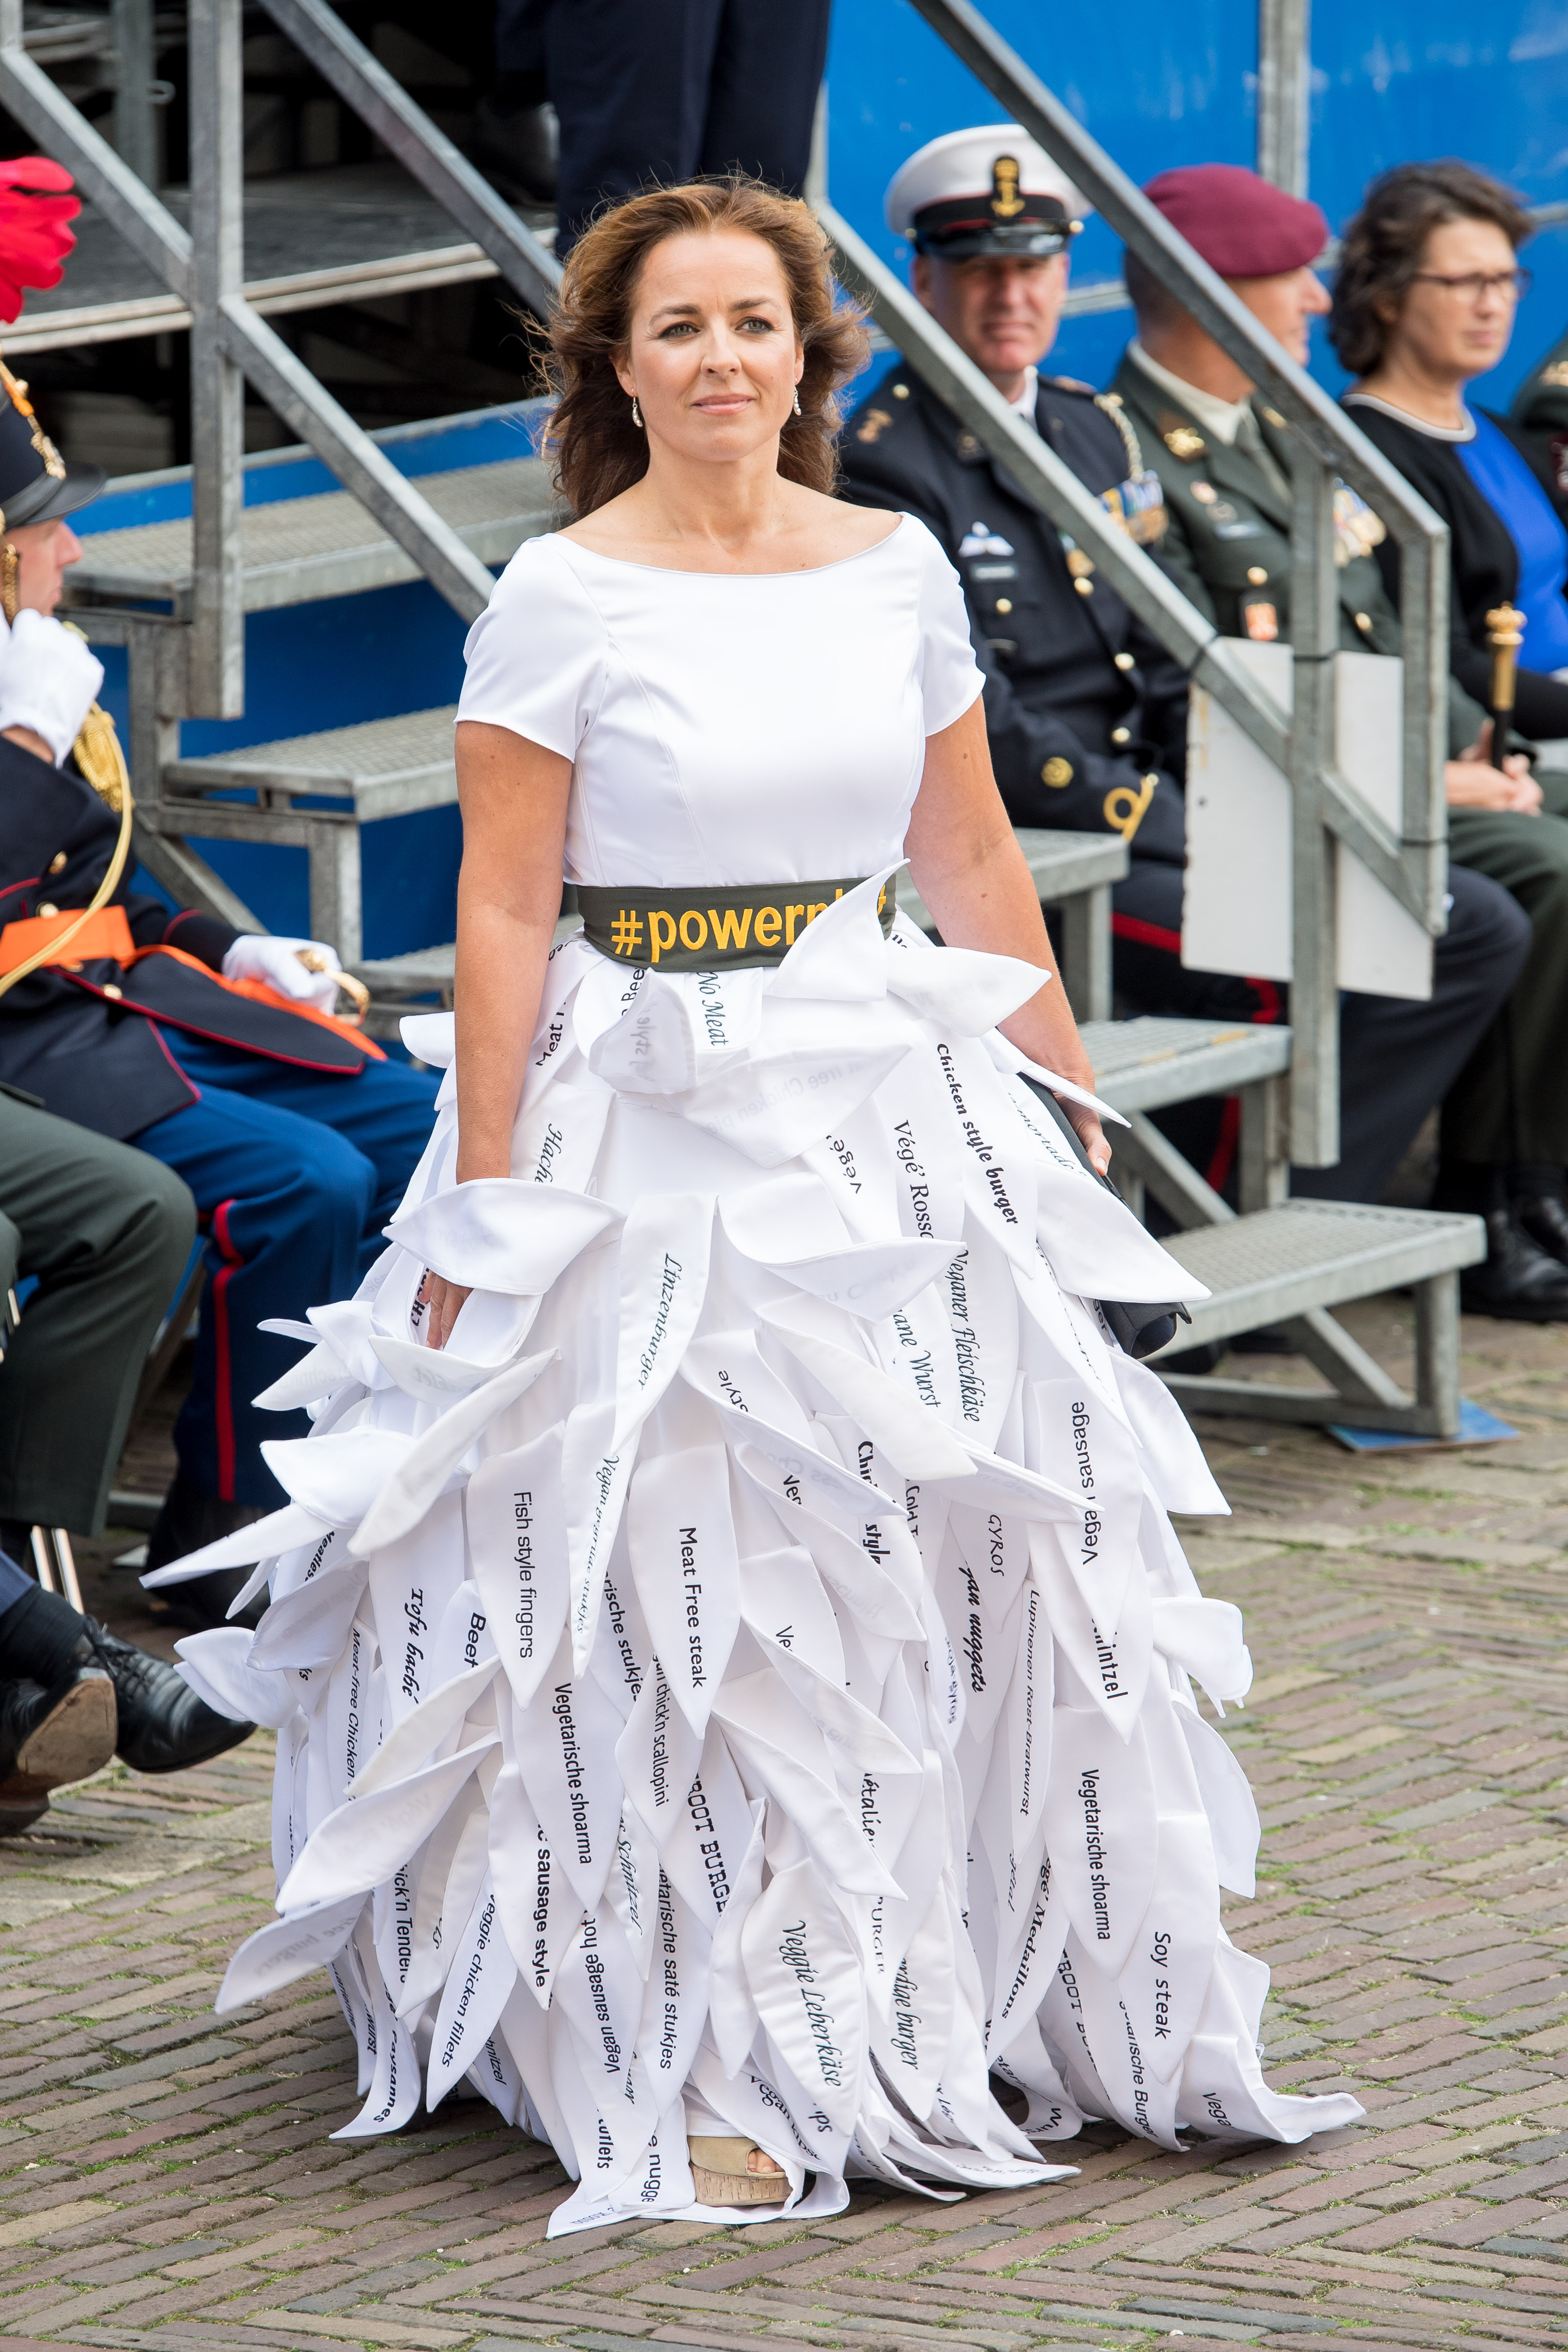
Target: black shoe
{"points": [[517, 147], [1519, 1282], [187, 1522], [163, 1725], [1544, 1217], [50, 1738]]}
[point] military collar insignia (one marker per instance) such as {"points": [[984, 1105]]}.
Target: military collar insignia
{"points": [[1006, 201], [1184, 441], [874, 425], [967, 449], [1271, 416]]}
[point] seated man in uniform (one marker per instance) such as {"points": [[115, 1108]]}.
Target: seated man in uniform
{"points": [[1224, 458], [1085, 712], [103, 1232], [215, 1051]]}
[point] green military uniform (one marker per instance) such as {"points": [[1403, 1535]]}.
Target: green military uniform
{"points": [[106, 1230], [1228, 546]]}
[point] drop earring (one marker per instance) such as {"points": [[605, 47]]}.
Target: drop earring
{"points": [[796, 399], [636, 414]]}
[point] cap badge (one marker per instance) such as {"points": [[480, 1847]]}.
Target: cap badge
{"points": [[1557, 375], [1205, 493], [17, 391], [1184, 443], [1006, 201]]}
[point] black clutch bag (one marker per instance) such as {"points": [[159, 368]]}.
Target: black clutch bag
{"points": [[1138, 1330]]}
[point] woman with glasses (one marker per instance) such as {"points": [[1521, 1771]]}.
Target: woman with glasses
{"points": [[1424, 300], [1428, 288]]}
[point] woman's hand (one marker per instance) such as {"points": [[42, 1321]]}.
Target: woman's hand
{"points": [[443, 1302], [968, 868]]}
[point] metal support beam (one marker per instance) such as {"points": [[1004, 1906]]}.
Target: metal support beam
{"points": [[321, 34], [362, 466], [1086, 953], [1284, 92], [1314, 977], [135, 121], [217, 385]]}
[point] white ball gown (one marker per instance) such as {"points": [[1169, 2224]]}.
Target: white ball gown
{"points": [[742, 1684]]}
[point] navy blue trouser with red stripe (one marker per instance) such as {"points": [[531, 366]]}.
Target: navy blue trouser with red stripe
{"points": [[295, 1174], [1399, 1056]]}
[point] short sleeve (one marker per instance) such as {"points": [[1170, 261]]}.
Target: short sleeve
{"points": [[535, 654], [950, 677]]}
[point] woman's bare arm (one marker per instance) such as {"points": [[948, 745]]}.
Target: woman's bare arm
{"points": [[968, 868], [513, 795]]}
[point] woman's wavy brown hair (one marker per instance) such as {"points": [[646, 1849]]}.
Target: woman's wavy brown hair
{"points": [[1381, 250], [597, 450]]}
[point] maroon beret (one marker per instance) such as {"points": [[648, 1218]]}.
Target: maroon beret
{"points": [[1242, 226]]}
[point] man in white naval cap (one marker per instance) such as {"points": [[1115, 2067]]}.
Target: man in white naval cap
{"points": [[1085, 711]]}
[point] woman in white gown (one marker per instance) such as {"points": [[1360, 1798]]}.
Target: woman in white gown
{"points": [[730, 1656]]}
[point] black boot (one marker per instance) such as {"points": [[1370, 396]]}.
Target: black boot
{"points": [[1519, 1282], [163, 1725], [50, 1738], [1537, 1196], [187, 1521]]}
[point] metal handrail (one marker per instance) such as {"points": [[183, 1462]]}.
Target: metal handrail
{"points": [[1411, 864], [231, 341]]}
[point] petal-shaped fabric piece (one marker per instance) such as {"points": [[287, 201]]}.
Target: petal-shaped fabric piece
{"points": [[265, 1539], [428, 1461], [913, 1439], [1227, 1801], [337, 1478], [313, 1376], [308, 1628], [361, 1844], [217, 1666], [1205, 1636], [964, 990], [497, 1233], [285, 1950], [841, 955], [418, 1735]]}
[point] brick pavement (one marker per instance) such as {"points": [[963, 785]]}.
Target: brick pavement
{"points": [[166, 2178]]}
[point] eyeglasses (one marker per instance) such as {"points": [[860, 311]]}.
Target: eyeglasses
{"points": [[1511, 284]]}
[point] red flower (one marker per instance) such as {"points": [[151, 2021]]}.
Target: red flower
{"points": [[34, 239]]}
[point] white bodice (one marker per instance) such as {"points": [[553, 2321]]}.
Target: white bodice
{"points": [[724, 728]]}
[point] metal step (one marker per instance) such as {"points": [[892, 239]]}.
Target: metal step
{"points": [[388, 767], [299, 550], [1282, 1262], [1146, 1063], [354, 233]]}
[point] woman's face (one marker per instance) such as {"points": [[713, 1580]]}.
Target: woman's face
{"points": [[1458, 330], [712, 355]]}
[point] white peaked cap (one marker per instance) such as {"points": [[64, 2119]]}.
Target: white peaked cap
{"points": [[959, 164]]}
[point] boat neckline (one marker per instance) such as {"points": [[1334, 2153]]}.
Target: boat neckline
{"points": [[679, 572]]}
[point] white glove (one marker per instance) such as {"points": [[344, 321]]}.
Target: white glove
{"points": [[48, 680], [257, 955]]}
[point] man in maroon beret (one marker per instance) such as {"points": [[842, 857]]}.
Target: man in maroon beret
{"points": [[1225, 460]]}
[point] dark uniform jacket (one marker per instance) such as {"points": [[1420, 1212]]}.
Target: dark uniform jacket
{"points": [[1483, 559], [1540, 413], [1085, 711], [1228, 539], [86, 1044]]}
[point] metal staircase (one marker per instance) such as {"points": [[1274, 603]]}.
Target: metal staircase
{"points": [[177, 594]]}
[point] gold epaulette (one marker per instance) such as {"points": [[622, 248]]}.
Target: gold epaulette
{"points": [[98, 756]]}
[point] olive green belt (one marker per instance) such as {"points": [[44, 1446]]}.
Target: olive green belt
{"points": [[710, 929]]}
